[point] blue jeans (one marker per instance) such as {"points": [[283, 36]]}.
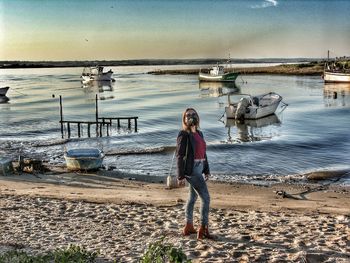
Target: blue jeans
{"points": [[197, 186]]}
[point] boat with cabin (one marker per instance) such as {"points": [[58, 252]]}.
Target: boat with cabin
{"points": [[337, 70], [217, 74], [96, 74], [84, 159], [253, 107]]}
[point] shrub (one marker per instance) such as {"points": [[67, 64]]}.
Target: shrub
{"points": [[73, 253], [159, 252]]}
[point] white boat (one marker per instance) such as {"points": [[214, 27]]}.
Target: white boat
{"points": [[96, 74], [332, 76], [84, 159], [253, 107], [337, 70], [217, 74], [3, 91]]}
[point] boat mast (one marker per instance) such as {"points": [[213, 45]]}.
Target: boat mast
{"points": [[328, 56]]}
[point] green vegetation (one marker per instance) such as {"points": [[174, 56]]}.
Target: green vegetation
{"points": [[159, 252], [73, 253]]}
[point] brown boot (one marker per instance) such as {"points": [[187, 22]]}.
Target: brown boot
{"points": [[189, 229], [203, 232]]}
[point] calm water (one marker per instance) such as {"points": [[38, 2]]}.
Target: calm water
{"points": [[312, 133]]}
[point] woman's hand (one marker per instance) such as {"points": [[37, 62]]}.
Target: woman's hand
{"points": [[206, 177], [181, 182]]}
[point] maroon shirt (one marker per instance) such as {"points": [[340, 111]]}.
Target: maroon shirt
{"points": [[200, 147]]}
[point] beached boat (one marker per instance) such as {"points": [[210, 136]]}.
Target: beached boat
{"points": [[3, 91], [84, 159], [217, 74], [96, 74], [337, 70], [253, 107]]}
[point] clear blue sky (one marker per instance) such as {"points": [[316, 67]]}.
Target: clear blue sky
{"points": [[136, 29]]}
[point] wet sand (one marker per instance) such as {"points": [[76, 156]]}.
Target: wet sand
{"points": [[120, 217]]}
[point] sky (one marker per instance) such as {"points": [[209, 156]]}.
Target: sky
{"points": [[171, 29]]}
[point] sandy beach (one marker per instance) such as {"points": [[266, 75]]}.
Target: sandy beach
{"points": [[119, 217]]}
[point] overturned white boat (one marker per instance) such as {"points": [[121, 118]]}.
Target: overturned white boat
{"points": [[253, 107], [84, 159], [96, 74]]}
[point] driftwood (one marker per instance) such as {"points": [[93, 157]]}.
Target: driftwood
{"points": [[301, 195]]}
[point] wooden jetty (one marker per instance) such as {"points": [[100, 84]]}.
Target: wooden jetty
{"points": [[102, 125]]}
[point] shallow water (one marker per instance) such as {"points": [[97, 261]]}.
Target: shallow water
{"points": [[312, 133]]}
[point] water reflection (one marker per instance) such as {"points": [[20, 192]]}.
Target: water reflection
{"points": [[252, 130], [99, 87], [336, 94], [218, 89], [4, 99]]}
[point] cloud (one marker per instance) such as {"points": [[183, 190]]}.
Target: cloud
{"points": [[266, 3]]}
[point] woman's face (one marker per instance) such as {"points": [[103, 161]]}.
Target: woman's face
{"points": [[191, 118]]}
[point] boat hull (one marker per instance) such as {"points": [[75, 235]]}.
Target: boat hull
{"points": [[228, 77], [83, 159], [3, 91], [336, 77], [256, 112]]}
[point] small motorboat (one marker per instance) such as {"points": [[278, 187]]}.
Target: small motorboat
{"points": [[253, 107], [96, 74], [84, 159], [3, 91], [217, 74]]}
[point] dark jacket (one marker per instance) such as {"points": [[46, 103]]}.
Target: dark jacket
{"points": [[182, 140]]}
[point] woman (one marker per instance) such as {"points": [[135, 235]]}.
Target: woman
{"points": [[192, 163]]}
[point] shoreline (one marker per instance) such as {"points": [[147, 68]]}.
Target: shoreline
{"points": [[309, 69], [121, 217]]}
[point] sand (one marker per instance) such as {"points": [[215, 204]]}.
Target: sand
{"points": [[120, 217]]}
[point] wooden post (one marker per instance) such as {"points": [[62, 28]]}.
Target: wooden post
{"points": [[129, 124], [135, 120], [68, 127], [101, 130], [118, 123], [108, 129], [79, 129], [61, 116], [89, 130], [96, 115]]}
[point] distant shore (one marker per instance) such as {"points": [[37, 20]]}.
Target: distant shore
{"points": [[310, 69]]}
